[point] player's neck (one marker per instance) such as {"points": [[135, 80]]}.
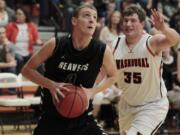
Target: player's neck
{"points": [[132, 41], [80, 42]]}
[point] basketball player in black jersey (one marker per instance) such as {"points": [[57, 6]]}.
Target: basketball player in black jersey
{"points": [[76, 59]]}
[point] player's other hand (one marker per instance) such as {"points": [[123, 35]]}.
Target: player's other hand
{"points": [[56, 90], [157, 19]]}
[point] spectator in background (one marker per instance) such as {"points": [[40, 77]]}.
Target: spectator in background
{"points": [[124, 4], [6, 14], [110, 32], [11, 3], [169, 67], [100, 25], [146, 5], [174, 95], [110, 8], [168, 7], [24, 34], [7, 55], [68, 7], [175, 20]]}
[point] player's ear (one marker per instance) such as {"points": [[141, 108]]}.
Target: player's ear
{"points": [[74, 21]]}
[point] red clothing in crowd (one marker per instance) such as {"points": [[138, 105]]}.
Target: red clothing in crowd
{"points": [[12, 32]]}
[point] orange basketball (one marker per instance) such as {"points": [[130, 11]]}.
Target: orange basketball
{"points": [[74, 103]]}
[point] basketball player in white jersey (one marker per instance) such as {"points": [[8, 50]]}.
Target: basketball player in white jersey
{"points": [[143, 105]]}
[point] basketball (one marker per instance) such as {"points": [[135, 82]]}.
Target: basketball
{"points": [[74, 103]]}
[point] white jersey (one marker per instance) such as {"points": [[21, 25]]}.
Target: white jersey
{"points": [[139, 72]]}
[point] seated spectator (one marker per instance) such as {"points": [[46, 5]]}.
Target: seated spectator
{"points": [[168, 7], [145, 4], [7, 56], [110, 8], [169, 67], [174, 97], [110, 32], [100, 25], [175, 20], [174, 94], [24, 34], [6, 14]]}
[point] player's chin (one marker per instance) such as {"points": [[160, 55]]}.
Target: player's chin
{"points": [[129, 33], [89, 33]]}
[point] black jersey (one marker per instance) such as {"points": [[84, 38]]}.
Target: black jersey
{"points": [[78, 67], [73, 66]]}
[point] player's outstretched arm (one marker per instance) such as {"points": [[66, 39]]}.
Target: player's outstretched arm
{"points": [[30, 70], [168, 36]]}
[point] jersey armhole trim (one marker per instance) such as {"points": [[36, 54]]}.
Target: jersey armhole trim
{"points": [[117, 43], [156, 128], [57, 44], [148, 48]]}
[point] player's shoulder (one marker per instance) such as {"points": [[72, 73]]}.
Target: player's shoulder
{"points": [[63, 38], [97, 41], [98, 44]]}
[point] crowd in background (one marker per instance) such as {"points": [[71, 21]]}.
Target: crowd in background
{"points": [[19, 21]]}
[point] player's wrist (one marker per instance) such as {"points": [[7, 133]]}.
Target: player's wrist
{"points": [[164, 29]]}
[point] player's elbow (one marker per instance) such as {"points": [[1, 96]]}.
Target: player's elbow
{"points": [[25, 70], [175, 40], [114, 77]]}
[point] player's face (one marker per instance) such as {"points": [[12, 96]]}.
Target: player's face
{"points": [[132, 26], [86, 21]]}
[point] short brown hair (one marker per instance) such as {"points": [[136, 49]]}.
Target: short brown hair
{"points": [[77, 10], [135, 9]]}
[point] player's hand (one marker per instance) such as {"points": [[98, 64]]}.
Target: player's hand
{"points": [[157, 19], [56, 90]]}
